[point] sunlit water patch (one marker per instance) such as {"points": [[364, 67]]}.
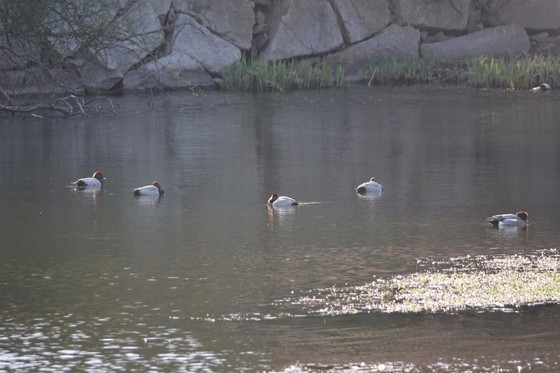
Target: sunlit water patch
{"points": [[481, 283]]}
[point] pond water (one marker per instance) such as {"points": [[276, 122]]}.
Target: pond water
{"points": [[104, 281]]}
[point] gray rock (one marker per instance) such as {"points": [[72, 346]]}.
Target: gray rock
{"points": [[193, 41], [38, 81], [231, 20], [173, 71], [301, 28], [537, 15], [394, 41], [363, 18], [500, 41], [141, 34], [446, 15]]}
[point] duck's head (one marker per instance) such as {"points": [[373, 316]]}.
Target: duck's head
{"points": [[156, 184], [272, 198], [523, 215], [98, 175], [372, 179], [545, 87]]}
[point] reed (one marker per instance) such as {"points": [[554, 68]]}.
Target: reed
{"points": [[261, 75], [481, 72], [521, 73], [383, 70]]}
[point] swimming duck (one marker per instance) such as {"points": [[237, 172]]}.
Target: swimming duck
{"points": [[93, 182], [149, 190], [517, 219], [369, 187], [541, 88], [276, 201]]}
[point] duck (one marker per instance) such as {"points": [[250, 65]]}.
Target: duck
{"points": [[370, 186], [149, 190], [541, 88], [93, 182], [276, 201], [517, 219]]}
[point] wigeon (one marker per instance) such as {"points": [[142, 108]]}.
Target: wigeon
{"points": [[93, 182], [276, 201], [369, 187], [541, 88], [149, 190], [517, 219]]}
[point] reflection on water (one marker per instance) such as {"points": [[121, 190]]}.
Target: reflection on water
{"points": [[106, 281]]}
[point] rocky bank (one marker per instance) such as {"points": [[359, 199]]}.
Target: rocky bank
{"points": [[191, 43]]}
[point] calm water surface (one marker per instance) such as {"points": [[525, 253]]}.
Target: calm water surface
{"points": [[108, 282]]}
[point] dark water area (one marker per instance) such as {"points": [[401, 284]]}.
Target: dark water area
{"points": [[104, 281]]}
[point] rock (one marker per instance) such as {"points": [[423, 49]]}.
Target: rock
{"points": [[141, 34], [301, 28], [35, 80], [197, 43], [500, 41], [231, 20], [446, 15], [394, 41], [362, 18], [173, 71], [540, 37], [535, 15]]}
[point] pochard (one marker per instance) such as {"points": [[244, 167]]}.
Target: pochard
{"points": [[541, 88], [93, 182], [517, 219], [276, 201], [370, 186], [149, 190]]}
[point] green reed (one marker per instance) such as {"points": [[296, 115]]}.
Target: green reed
{"points": [[521, 73], [482, 72], [382, 70], [262, 75]]}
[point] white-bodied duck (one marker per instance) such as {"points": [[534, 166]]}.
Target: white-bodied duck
{"points": [[149, 190], [518, 219], [370, 186], [541, 88], [93, 182], [276, 201]]}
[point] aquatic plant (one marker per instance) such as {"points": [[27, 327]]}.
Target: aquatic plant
{"points": [[262, 75], [522, 73], [482, 72]]}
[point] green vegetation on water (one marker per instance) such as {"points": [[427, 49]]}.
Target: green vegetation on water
{"points": [[482, 72]]}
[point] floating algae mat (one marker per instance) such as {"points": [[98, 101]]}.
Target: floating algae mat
{"points": [[500, 282]]}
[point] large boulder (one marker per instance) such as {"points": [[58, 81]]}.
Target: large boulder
{"points": [[232, 20], [140, 34], [177, 70], [500, 41], [362, 18], [449, 15], [394, 41], [301, 28], [193, 41], [535, 15]]}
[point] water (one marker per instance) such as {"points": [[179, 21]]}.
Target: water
{"points": [[107, 282]]}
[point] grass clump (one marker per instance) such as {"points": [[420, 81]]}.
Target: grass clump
{"points": [[383, 70], [482, 72], [522, 73], [260, 75]]}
